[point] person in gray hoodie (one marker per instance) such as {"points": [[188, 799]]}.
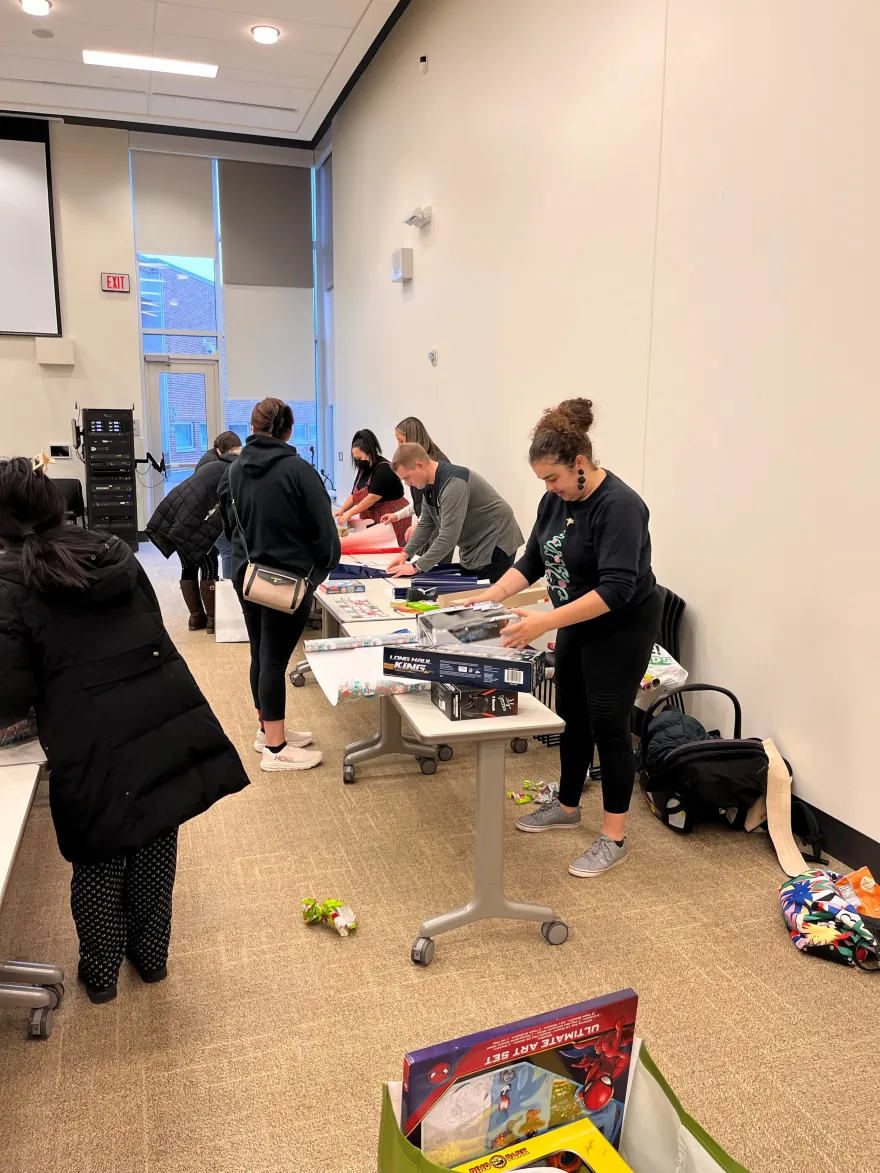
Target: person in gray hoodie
{"points": [[459, 508]]}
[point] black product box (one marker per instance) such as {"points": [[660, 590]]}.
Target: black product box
{"points": [[474, 665], [460, 703]]}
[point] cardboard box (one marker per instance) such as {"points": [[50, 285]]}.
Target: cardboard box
{"points": [[343, 586], [460, 703], [476, 665]]}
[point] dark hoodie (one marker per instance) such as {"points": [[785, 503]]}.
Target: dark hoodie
{"points": [[133, 747], [284, 510]]}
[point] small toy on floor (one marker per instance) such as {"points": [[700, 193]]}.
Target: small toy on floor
{"points": [[519, 798], [331, 912]]}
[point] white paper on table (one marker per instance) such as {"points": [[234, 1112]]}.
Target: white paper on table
{"points": [[333, 669], [22, 753]]}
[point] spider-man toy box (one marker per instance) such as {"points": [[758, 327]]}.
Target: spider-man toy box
{"points": [[478, 1094]]}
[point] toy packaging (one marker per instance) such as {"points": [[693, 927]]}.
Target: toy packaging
{"points": [[476, 665], [476, 1096], [464, 625], [473, 704], [575, 1148], [343, 587]]}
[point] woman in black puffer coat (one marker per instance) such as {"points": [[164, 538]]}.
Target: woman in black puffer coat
{"points": [[134, 749], [188, 522]]}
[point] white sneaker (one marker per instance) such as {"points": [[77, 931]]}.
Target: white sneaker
{"points": [[291, 736], [291, 758]]}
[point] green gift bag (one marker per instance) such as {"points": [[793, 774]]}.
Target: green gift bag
{"points": [[658, 1135]]}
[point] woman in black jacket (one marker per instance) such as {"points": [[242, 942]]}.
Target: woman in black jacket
{"points": [[133, 748], [187, 521], [277, 514]]}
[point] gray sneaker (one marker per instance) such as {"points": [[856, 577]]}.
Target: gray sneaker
{"points": [[545, 818], [601, 857]]}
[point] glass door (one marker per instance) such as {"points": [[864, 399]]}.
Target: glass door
{"points": [[184, 416]]}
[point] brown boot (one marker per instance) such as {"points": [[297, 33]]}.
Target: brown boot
{"points": [[189, 588], [208, 597]]}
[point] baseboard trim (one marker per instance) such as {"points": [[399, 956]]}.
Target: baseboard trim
{"points": [[852, 847]]}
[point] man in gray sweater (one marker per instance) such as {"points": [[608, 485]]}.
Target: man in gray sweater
{"points": [[459, 508]]}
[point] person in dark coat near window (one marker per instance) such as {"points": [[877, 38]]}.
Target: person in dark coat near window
{"points": [[133, 747], [188, 522]]}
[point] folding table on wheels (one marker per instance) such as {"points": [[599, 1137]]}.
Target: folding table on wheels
{"points": [[431, 727]]}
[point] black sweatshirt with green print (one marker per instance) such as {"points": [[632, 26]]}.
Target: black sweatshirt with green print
{"points": [[601, 544]]}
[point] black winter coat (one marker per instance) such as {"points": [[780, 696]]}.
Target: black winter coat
{"points": [[133, 747], [284, 509], [188, 519]]}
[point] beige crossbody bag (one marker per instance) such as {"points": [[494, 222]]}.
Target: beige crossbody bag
{"points": [[279, 589]]}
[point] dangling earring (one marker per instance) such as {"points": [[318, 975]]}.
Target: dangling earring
{"points": [[582, 480]]}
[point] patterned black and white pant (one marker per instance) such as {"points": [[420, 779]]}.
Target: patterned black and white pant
{"points": [[123, 905]]}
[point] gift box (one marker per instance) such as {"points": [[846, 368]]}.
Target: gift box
{"points": [[475, 665]]}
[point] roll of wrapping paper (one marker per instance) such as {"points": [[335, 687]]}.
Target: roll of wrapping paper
{"points": [[351, 689], [346, 642]]}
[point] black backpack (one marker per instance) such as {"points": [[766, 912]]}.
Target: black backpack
{"points": [[690, 775]]}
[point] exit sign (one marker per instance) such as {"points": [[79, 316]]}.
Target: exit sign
{"points": [[115, 283]]}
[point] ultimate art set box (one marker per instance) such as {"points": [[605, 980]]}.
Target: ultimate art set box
{"points": [[491, 1092]]}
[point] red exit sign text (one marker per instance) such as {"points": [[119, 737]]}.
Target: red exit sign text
{"points": [[115, 283]]}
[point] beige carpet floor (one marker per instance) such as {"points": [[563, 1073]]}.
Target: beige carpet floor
{"points": [[266, 1047]]}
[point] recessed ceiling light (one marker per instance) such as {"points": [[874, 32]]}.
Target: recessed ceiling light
{"points": [[36, 7], [264, 34], [153, 64]]}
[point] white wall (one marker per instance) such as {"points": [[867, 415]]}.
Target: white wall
{"points": [[534, 137], [735, 386], [90, 179]]}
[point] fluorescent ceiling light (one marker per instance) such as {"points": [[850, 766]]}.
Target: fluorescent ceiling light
{"points": [[36, 7], [265, 34], [153, 64]]}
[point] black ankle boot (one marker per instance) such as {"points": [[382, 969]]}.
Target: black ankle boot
{"points": [[158, 974], [97, 994]]}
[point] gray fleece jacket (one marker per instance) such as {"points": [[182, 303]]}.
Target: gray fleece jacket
{"points": [[462, 509]]}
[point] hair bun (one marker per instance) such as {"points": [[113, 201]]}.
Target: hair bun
{"points": [[578, 413]]}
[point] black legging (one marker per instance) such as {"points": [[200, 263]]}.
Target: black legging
{"points": [[189, 571], [596, 684], [273, 635]]}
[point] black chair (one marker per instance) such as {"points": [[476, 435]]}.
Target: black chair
{"points": [[72, 491], [670, 629]]}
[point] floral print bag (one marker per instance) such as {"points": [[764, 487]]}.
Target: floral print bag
{"points": [[821, 921]]}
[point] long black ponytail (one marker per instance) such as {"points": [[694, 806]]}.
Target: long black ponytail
{"points": [[30, 508]]}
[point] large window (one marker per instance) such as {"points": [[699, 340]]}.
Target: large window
{"points": [[178, 294], [305, 424]]}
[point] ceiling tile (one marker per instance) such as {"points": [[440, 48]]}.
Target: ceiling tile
{"points": [[247, 55], [71, 73], [342, 13], [262, 119], [222, 90], [187, 21], [261, 77], [77, 37], [93, 101]]}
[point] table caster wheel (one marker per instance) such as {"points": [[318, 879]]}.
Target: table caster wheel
{"points": [[41, 1023], [445, 752], [555, 931], [422, 951], [297, 679], [429, 765], [58, 991], [316, 624], [519, 745], [348, 774]]}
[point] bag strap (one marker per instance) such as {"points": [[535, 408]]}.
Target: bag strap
{"points": [[237, 519]]}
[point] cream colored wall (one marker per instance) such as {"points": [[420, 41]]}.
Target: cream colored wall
{"points": [[93, 224], [536, 137]]}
